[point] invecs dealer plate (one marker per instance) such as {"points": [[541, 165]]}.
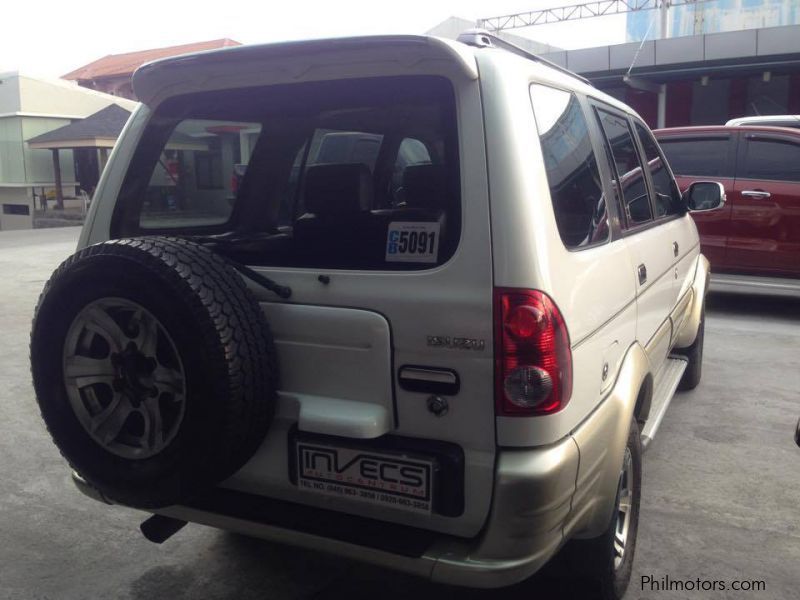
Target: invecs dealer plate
{"points": [[358, 474]]}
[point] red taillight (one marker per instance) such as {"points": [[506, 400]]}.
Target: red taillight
{"points": [[533, 361]]}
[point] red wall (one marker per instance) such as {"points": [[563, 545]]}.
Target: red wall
{"points": [[737, 100], [794, 94], [679, 104], [679, 100], [645, 103]]}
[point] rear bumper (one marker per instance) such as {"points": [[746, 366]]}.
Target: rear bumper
{"points": [[532, 501], [532, 498]]}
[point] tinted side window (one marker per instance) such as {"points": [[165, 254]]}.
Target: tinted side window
{"points": [[776, 160], [666, 195], [630, 177], [698, 156], [572, 172]]}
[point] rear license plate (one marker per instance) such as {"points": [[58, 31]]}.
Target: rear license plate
{"points": [[379, 478]]}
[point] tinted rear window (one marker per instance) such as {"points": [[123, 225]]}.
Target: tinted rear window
{"points": [[341, 174], [700, 157], [776, 160]]}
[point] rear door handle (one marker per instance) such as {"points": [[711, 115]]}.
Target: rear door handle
{"points": [[642, 271], [430, 380], [675, 248], [756, 194]]}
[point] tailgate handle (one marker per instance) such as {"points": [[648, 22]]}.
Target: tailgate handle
{"points": [[431, 380]]}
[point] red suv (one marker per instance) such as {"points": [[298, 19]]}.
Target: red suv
{"points": [[753, 242]]}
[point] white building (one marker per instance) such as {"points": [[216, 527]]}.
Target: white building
{"points": [[30, 107]]}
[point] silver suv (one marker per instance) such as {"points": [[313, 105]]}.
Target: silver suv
{"points": [[412, 301]]}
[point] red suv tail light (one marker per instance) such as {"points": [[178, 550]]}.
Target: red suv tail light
{"points": [[533, 360]]}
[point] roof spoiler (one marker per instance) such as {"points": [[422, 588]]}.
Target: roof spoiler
{"points": [[207, 70]]}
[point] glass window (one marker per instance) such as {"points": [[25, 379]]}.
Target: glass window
{"points": [[572, 173], [411, 152], [336, 146], [667, 198], [698, 157], [775, 160], [630, 180], [304, 174], [196, 177]]}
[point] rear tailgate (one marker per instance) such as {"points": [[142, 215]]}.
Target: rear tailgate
{"points": [[347, 332]]}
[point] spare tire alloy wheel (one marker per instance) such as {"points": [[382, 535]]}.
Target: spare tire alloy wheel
{"points": [[124, 378], [154, 368]]}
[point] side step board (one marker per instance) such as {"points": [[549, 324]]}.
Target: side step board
{"points": [[663, 391]]}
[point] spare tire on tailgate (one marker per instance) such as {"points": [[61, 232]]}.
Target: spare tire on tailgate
{"points": [[154, 368]]}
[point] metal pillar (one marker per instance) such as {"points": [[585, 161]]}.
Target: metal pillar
{"points": [[661, 120]]}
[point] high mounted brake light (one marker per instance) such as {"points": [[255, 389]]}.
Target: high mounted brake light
{"points": [[533, 360]]}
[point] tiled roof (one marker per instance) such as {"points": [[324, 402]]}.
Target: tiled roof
{"points": [[115, 65], [106, 123]]}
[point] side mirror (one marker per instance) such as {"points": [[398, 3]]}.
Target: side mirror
{"points": [[704, 195]]}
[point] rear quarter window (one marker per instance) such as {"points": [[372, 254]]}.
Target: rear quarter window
{"points": [[572, 173]]}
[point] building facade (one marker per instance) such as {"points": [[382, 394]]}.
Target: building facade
{"points": [[719, 60], [30, 107], [703, 79]]}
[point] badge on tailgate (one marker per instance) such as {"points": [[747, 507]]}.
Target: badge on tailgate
{"points": [[381, 478]]}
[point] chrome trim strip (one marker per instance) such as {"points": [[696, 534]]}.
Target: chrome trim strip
{"points": [[599, 327], [755, 194], [664, 330]]}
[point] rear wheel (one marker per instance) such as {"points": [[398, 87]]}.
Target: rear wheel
{"points": [[694, 356], [607, 561]]}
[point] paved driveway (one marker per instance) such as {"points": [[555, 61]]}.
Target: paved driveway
{"points": [[721, 483]]}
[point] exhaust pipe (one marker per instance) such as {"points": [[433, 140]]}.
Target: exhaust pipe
{"points": [[158, 528]]}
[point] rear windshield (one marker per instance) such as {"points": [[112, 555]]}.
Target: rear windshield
{"points": [[342, 174]]}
